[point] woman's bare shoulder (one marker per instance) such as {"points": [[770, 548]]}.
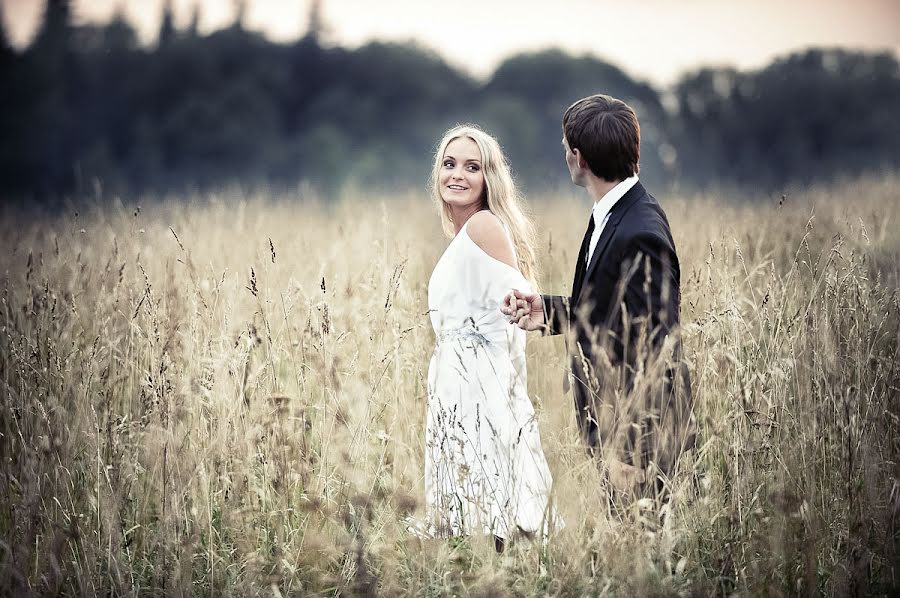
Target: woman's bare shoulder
{"points": [[486, 231]]}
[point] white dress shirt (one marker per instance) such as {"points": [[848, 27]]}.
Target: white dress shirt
{"points": [[601, 209]]}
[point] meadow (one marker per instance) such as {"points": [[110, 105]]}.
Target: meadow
{"points": [[224, 395]]}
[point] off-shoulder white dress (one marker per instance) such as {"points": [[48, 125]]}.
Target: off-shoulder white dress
{"points": [[485, 471]]}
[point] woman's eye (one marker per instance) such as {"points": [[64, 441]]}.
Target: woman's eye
{"points": [[448, 163], [473, 168]]}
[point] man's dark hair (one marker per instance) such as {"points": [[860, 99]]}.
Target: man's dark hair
{"points": [[607, 133]]}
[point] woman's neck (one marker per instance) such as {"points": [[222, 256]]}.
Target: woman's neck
{"points": [[461, 215]]}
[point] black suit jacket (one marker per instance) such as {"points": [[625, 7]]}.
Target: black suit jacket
{"points": [[624, 305]]}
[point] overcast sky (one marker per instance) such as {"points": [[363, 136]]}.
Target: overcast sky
{"points": [[655, 40]]}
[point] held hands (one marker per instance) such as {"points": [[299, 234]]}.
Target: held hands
{"points": [[526, 310]]}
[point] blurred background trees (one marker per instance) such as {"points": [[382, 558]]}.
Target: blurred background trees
{"points": [[86, 109]]}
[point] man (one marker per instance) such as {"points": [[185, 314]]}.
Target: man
{"points": [[632, 394]]}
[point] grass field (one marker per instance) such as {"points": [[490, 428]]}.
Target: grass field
{"points": [[226, 396]]}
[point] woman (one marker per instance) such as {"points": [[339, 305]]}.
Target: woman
{"points": [[485, 472]]}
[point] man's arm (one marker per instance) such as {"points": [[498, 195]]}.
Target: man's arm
{"points": [[649, 287], [650, 292], [531, 311], [556, 313]]}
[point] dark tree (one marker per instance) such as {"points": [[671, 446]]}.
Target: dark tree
{"points": [[813, 115], [544, 85], [86, 108], [167, 31]]}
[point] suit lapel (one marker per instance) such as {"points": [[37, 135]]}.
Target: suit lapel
{"points": [[615, 217]]}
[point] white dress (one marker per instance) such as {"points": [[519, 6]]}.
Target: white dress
{"points": [[485, 471]]}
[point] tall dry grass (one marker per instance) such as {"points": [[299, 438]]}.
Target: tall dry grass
{"points": [[226, 396]]}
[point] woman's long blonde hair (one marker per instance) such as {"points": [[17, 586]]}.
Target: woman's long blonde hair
{"points": [[500, 195]]}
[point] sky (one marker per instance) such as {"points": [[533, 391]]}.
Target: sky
{"points": [[654, 40]]}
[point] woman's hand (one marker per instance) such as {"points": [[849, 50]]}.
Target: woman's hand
{"points": [[526, 310]]}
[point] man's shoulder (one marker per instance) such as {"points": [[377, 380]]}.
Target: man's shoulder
{"points": [[645, 217]]}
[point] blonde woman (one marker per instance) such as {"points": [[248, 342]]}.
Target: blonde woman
{"points": [[485, 471]]}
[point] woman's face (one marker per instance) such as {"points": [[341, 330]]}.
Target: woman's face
{"points": [[461, 177]]}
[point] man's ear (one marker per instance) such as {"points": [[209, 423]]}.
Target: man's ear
{"points": [[579, 159]]}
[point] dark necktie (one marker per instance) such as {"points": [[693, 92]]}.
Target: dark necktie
{"points": [[582, 258]]}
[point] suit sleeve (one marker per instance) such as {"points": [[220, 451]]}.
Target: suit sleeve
{"points": [[649, 286], [653, 299], [556, 314]]}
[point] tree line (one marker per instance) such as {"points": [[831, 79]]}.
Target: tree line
{"points": [[87, 109]]}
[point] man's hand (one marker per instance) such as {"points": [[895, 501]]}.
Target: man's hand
{"points": [[627, 478], [526, 310]]}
